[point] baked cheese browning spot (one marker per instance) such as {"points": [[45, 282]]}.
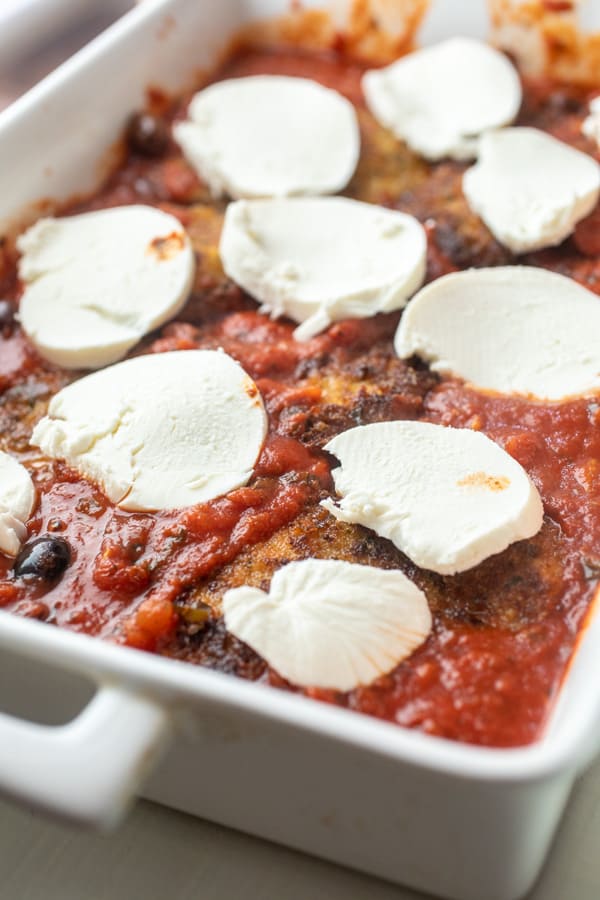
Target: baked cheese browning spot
{"points": [[167, 247], [481, 479], [96, 283], [251, 389], [407, 496]]}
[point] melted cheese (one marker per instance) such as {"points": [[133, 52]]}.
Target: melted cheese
{"points": [[162, 431], [529, 188], [270, 136], [442, 98], [520, 330], [319, 260], [17, 496], [447, 497], [591, 124], [97, 282], [330, 624]]}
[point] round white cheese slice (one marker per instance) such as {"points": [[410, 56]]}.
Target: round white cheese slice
{"points": [[97, 282], [162, 431], [513, 329], [270, 136], [17, 496], [447, 497], [329, 623], [440, 99], [318, 260], [529, 188]]}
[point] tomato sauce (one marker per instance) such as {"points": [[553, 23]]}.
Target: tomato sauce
{"points": [[503, 633]]}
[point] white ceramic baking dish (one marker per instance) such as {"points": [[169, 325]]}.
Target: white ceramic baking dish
{"points": [[455, 820]]}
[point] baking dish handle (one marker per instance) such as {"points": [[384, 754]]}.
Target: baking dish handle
{"points": [[88, 770]]}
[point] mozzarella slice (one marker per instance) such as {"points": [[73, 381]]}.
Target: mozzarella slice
{"points": [[529, 188], [440, 99], [591, 124], [162, 431], [270, 136], [513, 329], [447, 497], [97, 282], [17, 496], [330, 624], [319, 260]]}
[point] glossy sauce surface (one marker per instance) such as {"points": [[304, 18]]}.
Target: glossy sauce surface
{"points": [[504, 632]]}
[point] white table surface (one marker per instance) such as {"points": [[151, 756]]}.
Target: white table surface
{"points": [[158, 854]]}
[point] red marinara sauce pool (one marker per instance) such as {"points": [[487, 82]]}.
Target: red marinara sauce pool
{"points": [[503, 633]]}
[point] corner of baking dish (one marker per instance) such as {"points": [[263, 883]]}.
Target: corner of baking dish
{"points": [[89, 98], [569, 743]]}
